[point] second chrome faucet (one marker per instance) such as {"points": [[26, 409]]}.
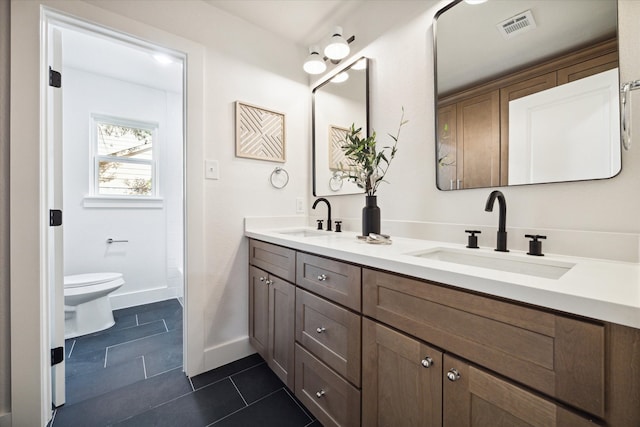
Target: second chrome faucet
{"points": [[501, 244]]}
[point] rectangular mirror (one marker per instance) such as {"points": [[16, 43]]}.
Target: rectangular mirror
{"points": [[527, 92], [338, 104]]}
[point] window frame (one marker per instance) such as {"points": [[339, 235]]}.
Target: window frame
{"points": [[94, 187]]}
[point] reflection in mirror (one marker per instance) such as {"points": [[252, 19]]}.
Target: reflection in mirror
{"points": [[337, 104], [527, 92]]}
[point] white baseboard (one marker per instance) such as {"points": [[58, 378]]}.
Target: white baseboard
{"points": [[227, 352], [146, 296], [5, 420]]}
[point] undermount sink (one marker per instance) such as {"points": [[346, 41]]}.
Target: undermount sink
{"points": [[304, 233], [538, 267]]}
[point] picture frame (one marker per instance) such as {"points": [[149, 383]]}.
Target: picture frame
{"points": [[260, 133]]}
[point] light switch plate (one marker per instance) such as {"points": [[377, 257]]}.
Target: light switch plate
{"points": [[299, 205], [211, 169]]}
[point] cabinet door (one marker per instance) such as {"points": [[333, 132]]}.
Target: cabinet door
{"points": [[281, 333], [588, 68], [447, 149], [475, 398], [509, 93], [478, 141], [259, 311], [401, 379]]}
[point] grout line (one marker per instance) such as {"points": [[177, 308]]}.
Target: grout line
{"points": [[238, 410], [169, 370], [106, 354], [165, 325], [238, 390], [229, 376], [137, 339], [137, 321], [299, 406], [191, 382], [310, 422], [144, 367], [53, 417], [72, 347]]}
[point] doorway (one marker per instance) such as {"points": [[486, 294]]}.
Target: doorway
{"points": [[119, 172]]}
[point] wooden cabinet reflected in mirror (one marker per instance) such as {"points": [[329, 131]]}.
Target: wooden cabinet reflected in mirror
{"points": [[536, 107]]}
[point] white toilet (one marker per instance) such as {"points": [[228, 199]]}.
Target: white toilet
{"points": [[87, 308]]}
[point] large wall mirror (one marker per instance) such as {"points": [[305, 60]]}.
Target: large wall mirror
{"points": [[338, 103], [527, 92]]}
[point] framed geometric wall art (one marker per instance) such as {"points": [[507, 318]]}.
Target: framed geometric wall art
{"points": [[337, 159], [260, 133]]}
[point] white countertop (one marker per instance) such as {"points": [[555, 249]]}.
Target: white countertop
{"points": [[599, 289]]}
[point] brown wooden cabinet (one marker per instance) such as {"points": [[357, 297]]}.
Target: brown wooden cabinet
{"points": [[271, 313], [402, 379], [428, 354], [474, 397]]}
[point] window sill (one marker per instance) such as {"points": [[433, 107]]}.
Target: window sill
{"points": [[130, 202]]}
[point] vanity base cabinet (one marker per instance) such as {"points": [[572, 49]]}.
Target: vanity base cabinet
{"points": [[332, 399], [271, 322], [401, 379], [476, 398]]}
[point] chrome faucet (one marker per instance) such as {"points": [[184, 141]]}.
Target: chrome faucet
{"points": [[501, 245], [322, 199]]}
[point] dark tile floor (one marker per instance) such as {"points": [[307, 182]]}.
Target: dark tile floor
{"points": [[131, 375]]}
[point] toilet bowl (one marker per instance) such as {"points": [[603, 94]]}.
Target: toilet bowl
{"points": [[87, 308]]}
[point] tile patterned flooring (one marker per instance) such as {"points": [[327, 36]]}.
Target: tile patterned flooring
{"points": [[131, 375]]}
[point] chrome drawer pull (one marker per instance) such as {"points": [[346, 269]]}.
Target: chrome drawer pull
{"points": [[453, 375], [320, 330], [427, 362], [319, 394], [322, 277]]}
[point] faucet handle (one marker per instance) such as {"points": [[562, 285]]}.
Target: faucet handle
{"points": [[319, 221], [473, 239], [535, 245], [338, 226]]}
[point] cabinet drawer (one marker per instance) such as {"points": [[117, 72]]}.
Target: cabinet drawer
{"points": [[559, 356], [274, 259], [335, 280], [329, 397], [330, 332]]}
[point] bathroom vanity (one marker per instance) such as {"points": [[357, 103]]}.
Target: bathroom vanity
{"points": [[394, 335]]}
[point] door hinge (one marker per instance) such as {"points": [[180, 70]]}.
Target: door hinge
{"points": [[55, 78], [57, 355], [55, 217]]}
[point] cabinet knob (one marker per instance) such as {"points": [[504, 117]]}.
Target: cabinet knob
{"points": [[320, 330], [427, 362], [322, 277], [319, 394], [262, 279], [453, 374]]}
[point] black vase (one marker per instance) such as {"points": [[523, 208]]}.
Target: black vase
{"points": [[371, 216]]}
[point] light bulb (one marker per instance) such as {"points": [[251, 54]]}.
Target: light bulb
{"points": [[338, 48], [314, 64]]}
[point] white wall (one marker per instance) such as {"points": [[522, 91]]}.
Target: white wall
{"points": [[402, 75], [151, 261]]}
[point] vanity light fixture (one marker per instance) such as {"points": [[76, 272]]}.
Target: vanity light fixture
{"points": [[338, 48], [340, 77], [314, 64]]}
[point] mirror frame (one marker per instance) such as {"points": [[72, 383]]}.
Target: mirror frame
{"points": [[454, 3], [314, 166]]}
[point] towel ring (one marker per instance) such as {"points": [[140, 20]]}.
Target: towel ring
{"points": [[279, 178], [626, 111], [336, 181]]}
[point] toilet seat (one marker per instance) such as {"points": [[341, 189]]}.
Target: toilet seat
{"points": [[88, 279]]}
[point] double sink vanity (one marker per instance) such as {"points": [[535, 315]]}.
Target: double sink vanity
{"points": [[424, 333]]}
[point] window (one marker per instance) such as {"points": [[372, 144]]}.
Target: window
{"points": [[124, 158]]}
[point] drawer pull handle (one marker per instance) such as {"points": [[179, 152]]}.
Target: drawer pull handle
{"points": [[319, 394], [453, 375], [320, 329], [427, 362], [322, 277]]}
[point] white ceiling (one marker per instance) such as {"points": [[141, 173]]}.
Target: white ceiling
{"points": [[305, 22]]}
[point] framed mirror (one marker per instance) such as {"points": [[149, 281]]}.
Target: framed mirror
{"points": [[527, 92], [337, 105]]}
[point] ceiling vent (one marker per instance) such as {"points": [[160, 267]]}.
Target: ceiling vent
{"points": [[516, 25]]}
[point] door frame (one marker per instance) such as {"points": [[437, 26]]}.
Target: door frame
{"points": [[30, 314]]}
